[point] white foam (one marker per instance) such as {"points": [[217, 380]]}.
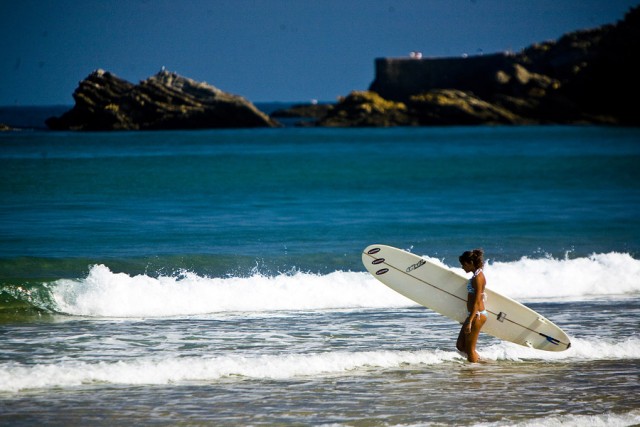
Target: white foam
{"points": [[175, 369], [198, 369], [581, 350], [104, 293], [602, 420], [547, 278]]}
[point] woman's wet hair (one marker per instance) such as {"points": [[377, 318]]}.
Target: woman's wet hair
{"points": [[475, 257]]}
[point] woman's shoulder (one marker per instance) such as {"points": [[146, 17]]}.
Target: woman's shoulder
{"points": [[478, 276]]}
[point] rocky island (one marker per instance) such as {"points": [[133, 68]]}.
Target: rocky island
{"points": [[585, 77], [166, 100]]}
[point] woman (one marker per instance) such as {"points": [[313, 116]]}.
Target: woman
{"points": [[472, 262]]}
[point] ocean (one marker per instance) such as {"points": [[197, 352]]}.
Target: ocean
{"points": [[214, 277]]}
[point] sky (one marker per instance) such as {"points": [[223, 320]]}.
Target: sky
{"points": [[264, 50]]}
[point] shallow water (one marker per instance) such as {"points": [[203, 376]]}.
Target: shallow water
{"points": [[214, 277]]}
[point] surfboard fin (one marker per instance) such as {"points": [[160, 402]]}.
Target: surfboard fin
{"points": [[551, 339]]}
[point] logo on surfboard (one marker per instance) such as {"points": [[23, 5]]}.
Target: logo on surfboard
{"points": [[416, 265]]}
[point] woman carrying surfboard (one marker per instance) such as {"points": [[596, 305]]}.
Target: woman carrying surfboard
{"points": [[472, 262], [451, 294]]}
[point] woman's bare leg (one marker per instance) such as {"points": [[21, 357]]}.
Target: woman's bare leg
{"points": [[471, 339], [461, 345]]}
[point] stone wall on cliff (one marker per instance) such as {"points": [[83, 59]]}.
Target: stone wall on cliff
{"points": [[400, 78], [587, 76]]}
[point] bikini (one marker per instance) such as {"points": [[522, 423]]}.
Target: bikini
{"points": [[473, 292]]}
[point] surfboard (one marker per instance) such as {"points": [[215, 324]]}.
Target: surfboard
{"points": [[445, 291]]}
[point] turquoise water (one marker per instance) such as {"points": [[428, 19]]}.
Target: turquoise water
{"points": [[214, 276]]}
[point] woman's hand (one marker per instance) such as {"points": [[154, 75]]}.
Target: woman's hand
{"points": [[467, 326]]}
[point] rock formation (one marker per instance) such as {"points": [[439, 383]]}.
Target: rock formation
{"points": [[455, 107], [588, 76], [302, 114], [366, 109], [164, 101]]}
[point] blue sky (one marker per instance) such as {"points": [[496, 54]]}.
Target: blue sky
{"points": [[264, 50]]}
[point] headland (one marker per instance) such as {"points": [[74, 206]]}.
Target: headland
{"points": [[585, 77]]}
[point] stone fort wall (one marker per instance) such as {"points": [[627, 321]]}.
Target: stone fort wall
{"points": [[399, 78]]}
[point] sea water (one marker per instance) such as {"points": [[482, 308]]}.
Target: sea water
{"points": [[214, 277]]}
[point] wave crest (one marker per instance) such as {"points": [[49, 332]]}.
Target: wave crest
{"points": [[104, 293]]}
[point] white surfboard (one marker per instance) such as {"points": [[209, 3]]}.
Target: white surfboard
{"points": [[445, 291]]}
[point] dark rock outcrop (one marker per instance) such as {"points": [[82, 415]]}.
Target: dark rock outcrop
{"points": [[588, 76], [438, 107], [303, 114], [316, 111], [164, 101], [366, 109], [455, 107]]}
